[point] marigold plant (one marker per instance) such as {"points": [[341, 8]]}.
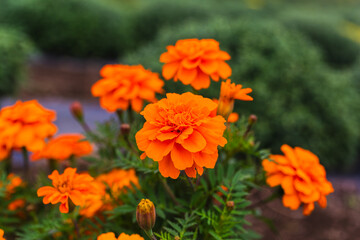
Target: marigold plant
{"points": [[63, 147], [2, 235], [300, 175], [181, 133], [109, 186], [228, 93], [122, 236], [194, 62], [25, 124], [67, 185], [123, 86]]}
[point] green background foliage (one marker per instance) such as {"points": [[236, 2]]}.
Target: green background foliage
{"points": [[14, 51]]}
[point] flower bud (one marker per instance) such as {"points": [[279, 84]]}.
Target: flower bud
{"points": [[77, 111], [252, 119], [125, 128], [145, 214], [177, 238], [230, 205]]}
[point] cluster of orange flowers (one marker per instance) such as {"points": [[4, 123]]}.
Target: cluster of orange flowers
{"points": [[181, 132], [67, 185], [300, 175], [194, 61], [109, 187], [2, 235], [25, 124], [63, 147], [123, 86], [123, 236], [84, 191]]}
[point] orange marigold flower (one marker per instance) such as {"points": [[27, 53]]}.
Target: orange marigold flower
{"points": [[233, 117], [123, 236], [63, 147], [16, 204], [123, 85], [13, 182], [69, 184], [194, 61], [182, 132], [228, 93], [2, 235], [118, 181], [25, 124], [301, 176]]}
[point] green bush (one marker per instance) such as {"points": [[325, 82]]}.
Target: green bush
{"points": [[14, 51], [156, 14], [338, 51], [80, 28], [299, 101]]}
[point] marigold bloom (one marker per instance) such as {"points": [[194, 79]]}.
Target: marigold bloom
{"points": [[69, 184], [16, 204], [13, 182], [301, 176], [233, 117], [228, 93], [118, 181], [194, 61], [63, 147], [182, 132], [123, 85], [2, 235], [25, 124], [123, 236], [146, 214]]}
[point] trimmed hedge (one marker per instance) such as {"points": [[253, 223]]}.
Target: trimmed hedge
{"points": [[299, 100], [79, 28], [14, 51]]}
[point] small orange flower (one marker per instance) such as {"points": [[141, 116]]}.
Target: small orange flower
{"points": [[228, 93], [123, 85], [2, 235], [118, 181], [182, 132], [123, 236], [194, 61], [301, 176], [16, 204], [69, 184], [233, 117], [63, 147], [25, 124], [14, 182]]}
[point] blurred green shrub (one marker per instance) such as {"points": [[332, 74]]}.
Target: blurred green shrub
{"points": [[14, 51], [80, 28], [338, 50], [156, 14], [299, 100]]}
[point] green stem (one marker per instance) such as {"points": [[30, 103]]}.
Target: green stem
{"points": [[53, 164], [150, 234], [8, 163], [72, 161], [25, 155], [120, 115], [130, 115], [169, 191]]}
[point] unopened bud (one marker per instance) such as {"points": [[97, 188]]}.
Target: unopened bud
{"points": [[145, 214], [77, 111], [177, 238], [252, 119], [125, 129], [230, 205]]}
